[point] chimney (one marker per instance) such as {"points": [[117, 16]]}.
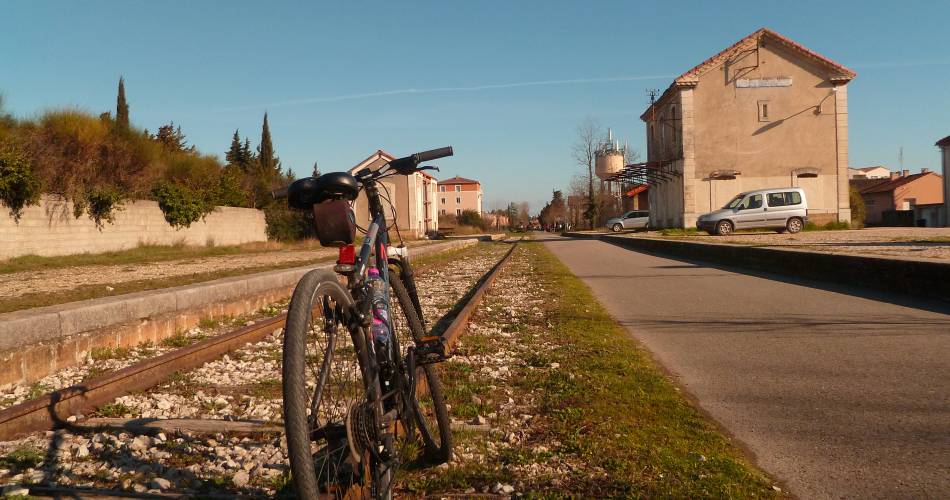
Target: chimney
{"points": [[924, 170], [905, 173], [895, 175]]}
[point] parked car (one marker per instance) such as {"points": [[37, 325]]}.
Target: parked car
{"points": [[634, 219], [782, 209]]}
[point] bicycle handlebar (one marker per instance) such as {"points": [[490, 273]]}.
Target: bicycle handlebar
{"points": [[433, 154], [405, 165]]}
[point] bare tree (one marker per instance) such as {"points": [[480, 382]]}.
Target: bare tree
{"points": [[589, 133], [631, 156]]}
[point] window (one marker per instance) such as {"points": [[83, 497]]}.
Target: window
{"points": [[458, 188], [777, 199], [764, 111], [458, 201], [793, 198], [442, 188], [458, 211], [443, 211], [443, 201], [750, 202]]}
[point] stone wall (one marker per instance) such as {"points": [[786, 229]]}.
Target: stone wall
{"points": [[49, 229]]}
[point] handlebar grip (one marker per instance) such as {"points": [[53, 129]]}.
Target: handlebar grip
{"points": [[433, 154]]}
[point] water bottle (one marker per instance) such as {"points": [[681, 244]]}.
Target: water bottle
{"points": [[380, 325]]}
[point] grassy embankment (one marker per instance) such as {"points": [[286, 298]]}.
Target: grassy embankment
{"points": [[147, 254], [607, 408]]}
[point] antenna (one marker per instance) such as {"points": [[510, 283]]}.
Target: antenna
{"points": [[653, 93], [900, 157]]}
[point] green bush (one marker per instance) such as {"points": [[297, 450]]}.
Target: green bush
{"points": [[181, 205], [284, 224], [472, 218], [19, 187], [101, 203], [857, 207]]}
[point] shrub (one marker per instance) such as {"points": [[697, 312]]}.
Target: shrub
{"points": [[101, 203], [181, 205], [284, 224], [857, 207], [19, 186], [472, 218]]}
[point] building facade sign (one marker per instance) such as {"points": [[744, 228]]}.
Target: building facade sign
{"points": [[752, 83]]}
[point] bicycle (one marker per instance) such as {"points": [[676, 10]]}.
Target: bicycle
{"points": [[357, 406]]}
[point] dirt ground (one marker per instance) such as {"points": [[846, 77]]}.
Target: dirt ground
{"points": [[906, 242]]}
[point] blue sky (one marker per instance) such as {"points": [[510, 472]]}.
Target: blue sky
{"points": [[506, 83]]}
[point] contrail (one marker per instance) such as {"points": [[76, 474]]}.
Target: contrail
{"points": [[433, 90], [898, 64]]}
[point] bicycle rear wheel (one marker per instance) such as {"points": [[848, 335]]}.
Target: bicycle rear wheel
{"points": [[325, 387], [425, 401]]}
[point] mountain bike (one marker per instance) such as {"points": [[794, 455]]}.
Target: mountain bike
{"points": [[359, 406]]}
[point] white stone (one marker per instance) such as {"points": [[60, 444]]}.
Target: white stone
{"points": [[240, 479], [160, 483]]}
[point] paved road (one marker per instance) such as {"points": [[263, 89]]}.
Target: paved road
{"points": [[835, 394]]}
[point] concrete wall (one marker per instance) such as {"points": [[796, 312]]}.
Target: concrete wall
{"points": [[50, 229]]}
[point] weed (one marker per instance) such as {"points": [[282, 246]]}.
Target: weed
{"points": [[22, 458], [114, 410], [104, 353]]}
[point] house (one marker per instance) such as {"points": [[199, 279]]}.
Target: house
{"points": [[902, 192], [944, 145], [765, 112], [495, 220], [412, 196], [876, 172], [459, 194]]}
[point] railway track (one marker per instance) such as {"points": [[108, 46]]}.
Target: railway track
{"points": [[53, 411]]}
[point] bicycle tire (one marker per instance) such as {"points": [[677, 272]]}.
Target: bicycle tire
{"points": [[302, 410], [438, 447]]}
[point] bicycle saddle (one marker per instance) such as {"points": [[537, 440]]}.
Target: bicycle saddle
{"points": [[306, 192]]}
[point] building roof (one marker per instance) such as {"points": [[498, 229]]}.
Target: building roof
{"points": [[888, 185], [458, 180], [379, 154], [868, 169], [943, 142], [840, 73]]}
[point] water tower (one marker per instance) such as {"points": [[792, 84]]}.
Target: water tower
{"points": [[608, 159]]}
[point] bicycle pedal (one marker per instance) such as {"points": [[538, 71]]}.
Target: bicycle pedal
{"points": [[431, 350]]}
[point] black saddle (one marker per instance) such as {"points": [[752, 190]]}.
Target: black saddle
{"points": [[309, 191]]}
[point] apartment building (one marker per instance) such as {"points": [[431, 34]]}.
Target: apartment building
{"points": [[412, 196], [459, 194]]}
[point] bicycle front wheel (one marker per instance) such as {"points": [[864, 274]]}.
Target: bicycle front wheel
{"points": [[325, 386]]}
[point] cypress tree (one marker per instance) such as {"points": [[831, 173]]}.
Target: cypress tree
{"points": [[265, 152], [316, 170], [247, 154], [234, 156], [122, 108]]}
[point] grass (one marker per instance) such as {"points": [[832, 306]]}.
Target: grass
{"points": [[144, 254], [608, 406], [22, 458], [831, 226], [622, 414], [31, 300], [114, 410], [689, 231]]}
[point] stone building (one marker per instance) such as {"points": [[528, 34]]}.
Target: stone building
{"points": [[765, 112], [412, 196]]}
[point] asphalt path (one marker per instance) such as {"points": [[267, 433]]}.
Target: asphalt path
{"points": [[834, 391]]}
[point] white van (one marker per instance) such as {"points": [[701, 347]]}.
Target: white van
{"points": [[782, 209]]}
